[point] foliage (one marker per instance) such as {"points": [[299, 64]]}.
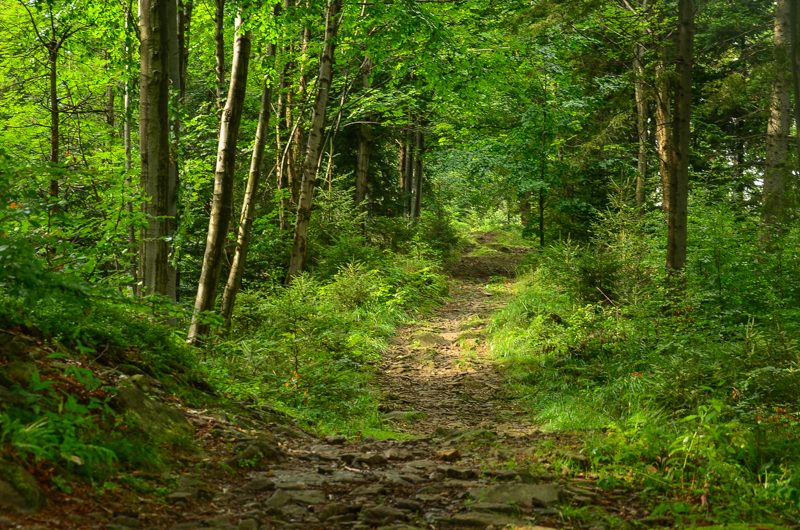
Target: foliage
{"points": [[697, 393]]}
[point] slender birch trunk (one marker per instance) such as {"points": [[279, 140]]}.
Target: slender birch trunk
{"points": [[364, 141], [221, 207], [314, 141], [679, 183], [154, 145], [642, 113], [408, 170], [776, 171], [234, 282], [418, 167]]}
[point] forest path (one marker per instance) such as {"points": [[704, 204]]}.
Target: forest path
{"points": [[439, 376]]}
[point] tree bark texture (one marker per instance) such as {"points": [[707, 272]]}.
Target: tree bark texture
{"points": [[314, 146], [416, 203], [776, 170], [234, 282], [52, 55], [642, 114], [222, 203], [219, 53], [663, 129], [679, 182], [364, 142], [154, 145]]}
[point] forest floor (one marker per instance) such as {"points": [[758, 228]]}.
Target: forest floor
{"points": [[468, 457]]}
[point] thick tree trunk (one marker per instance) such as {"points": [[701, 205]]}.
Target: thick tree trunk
{"points": [[219, 53], [221, 207], [416, 204], [679, 183], [364, 142], [234, 282], [642, 112], [314, 141], [663, 127], [154, 146], [776, 171]]}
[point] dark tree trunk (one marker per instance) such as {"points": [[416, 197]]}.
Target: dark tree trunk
{"points": [[679, 181], [221, 208], [364, 142], [418, 167], [314, 146]]}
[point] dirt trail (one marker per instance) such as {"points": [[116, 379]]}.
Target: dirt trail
{"points": [[474, 462], [442, 376]]}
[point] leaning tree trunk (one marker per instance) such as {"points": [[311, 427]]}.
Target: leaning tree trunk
{"points": [[663, 126], [679, 183], [154, 146], [310, 168], [222, 204], [776, 171], [234, 282], [641, 121], [364, 142], [418, 167]]}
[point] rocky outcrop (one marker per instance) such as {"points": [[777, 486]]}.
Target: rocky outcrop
{"points": [[18, 488]]}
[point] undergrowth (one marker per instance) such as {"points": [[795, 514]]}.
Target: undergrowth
{"points": [[690, 393]]}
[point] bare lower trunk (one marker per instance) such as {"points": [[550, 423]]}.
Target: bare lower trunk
{"points": [[663, 127], [416, 204], [221, 207], [234, 282], [525, 209], [679, 183], [154, 146], [641, 122], [794, 30], [776, 171], [219, 53], [364, 142], [314, 141], [402, 164]]}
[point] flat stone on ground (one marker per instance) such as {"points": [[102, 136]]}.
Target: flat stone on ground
{"points": [[524, 495]]}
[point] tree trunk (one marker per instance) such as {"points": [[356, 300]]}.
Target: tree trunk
{"points": [[221, 207], [234, 282], [525, 209], [418, 167], [154, 146], [54, 122], [126, 138], [679, 183], [776, 170], [364, 141], [314, 141], [663, 128], [219, 52], [641, 122], [408, 170], [402, 163], [184, 32], [174, 60]]}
